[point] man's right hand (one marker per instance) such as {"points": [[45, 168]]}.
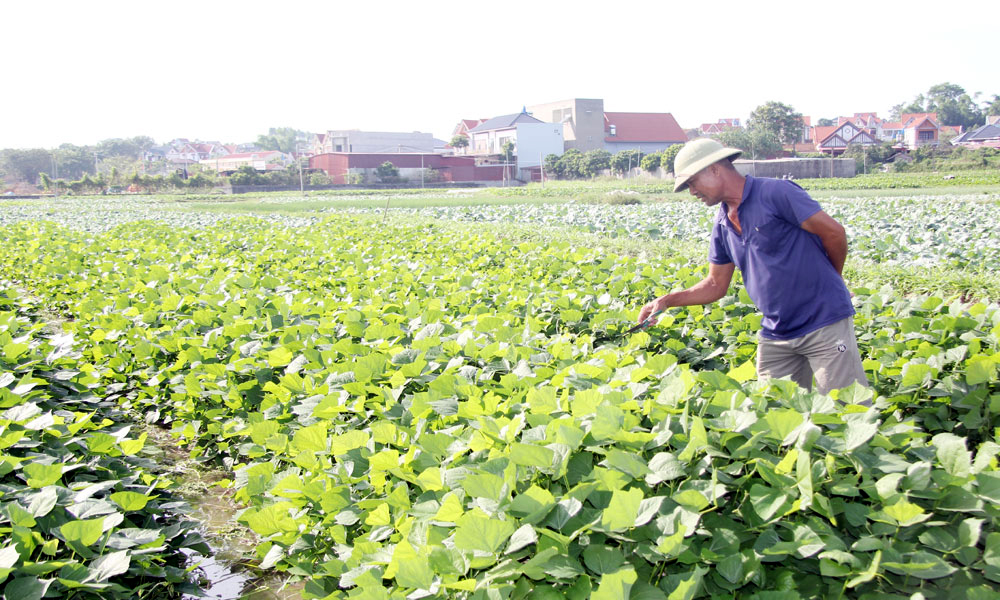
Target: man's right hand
{"points": [[650, 311]]}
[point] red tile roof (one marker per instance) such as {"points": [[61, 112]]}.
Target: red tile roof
{"points": [[821, 132], [892, 125], [643, 127], [916, 117]]}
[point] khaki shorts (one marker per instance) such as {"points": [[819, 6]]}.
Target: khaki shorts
{"points": [[830, 354]]}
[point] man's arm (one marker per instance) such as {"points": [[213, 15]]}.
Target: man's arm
{"points": [[706, 291], [832, 235]]}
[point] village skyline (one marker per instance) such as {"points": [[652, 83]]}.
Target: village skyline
{"points": [[216, 73]]}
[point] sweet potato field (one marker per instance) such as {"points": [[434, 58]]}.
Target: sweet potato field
{"points": [[429, 407]]}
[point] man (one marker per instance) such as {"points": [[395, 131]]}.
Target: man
{"points": [[791, 255]]}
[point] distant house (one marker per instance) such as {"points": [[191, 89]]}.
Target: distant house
{"points": [[266, 160], [463, 128], [719, 126], [489, 136], [647, 132], [586, 126], [986, 136], [192, 152], [355, 140], [836, 138], [920, 129]]}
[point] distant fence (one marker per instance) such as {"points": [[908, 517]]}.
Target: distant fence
{"points": [[798, 168], [409, 185]]}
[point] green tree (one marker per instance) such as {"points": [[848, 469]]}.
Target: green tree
{"points": [[869, 157], [595, 161], [552, 166], [571, 165], [319, 178], [507, 150], [992, 107], [827, 122], [282, 139], [779, 119], [25, 165], [387, 172], [460, 141], [72, 162], [754, 143], [245, 175], [126, 148], [651, 162], [667, 159], [624, 160]]}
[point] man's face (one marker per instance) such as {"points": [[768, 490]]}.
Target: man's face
{"points": [[706, 185]]}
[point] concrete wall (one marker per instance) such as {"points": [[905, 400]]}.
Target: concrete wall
{"points": [[582, 120], [381, 141], [535, 141], [798, 168], [644, 147]]}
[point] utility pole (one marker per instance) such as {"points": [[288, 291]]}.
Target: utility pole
{"points": [[298, 161]]}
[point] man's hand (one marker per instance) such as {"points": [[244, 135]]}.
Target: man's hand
{"points": [[651, 309]]}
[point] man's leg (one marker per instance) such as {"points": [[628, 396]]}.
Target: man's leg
{"points": [[780, 358], [833, 353]]}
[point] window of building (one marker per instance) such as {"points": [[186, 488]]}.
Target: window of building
{"points": [[613, 131], [926, 135], [340, 148]]}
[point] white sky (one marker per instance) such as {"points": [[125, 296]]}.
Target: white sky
{"points": [[81, 72]]}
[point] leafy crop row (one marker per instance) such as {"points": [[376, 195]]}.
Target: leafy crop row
{"points": [[413, 412], [82, 512]]}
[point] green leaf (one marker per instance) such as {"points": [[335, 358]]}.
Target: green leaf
{"points": [[85, 531], [686, 586], [530, 455], [26, 588], [523, 537], [744, 372], [923, 565], [980, 369], [279, 357], [412, 569], [478, 532], [109, 565], [766, 501], [858, 432], [627, 463], [41, 475], [311, 438], [18, 516], [602, 559], [952, 455], [905, 513], [615, 586], [484, 485], [869, 573], [533, 504], [697, 440], [664, 467], [132, 447], [622, 510], [344, 443], [969, 531], [130, 500]]}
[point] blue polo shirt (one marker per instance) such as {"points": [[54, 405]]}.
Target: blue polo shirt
{"points": [[785, 268]]}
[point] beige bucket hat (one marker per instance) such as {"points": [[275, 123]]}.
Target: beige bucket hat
{"points": [[695, 156]]}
